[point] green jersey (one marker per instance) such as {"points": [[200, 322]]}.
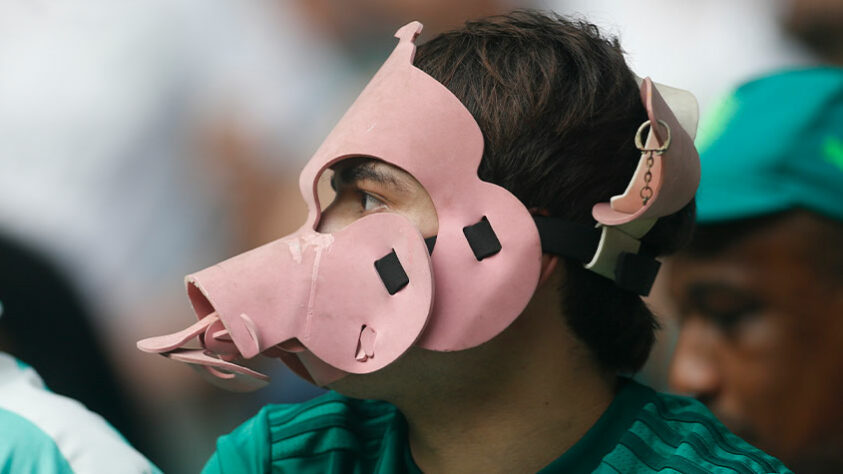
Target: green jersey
{"points": [[641, 431]]}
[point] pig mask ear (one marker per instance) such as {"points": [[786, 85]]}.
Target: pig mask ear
{"points": [[668, 172], [665, 180]]}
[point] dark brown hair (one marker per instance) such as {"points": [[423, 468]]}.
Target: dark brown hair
{"points": [[559, 108]]}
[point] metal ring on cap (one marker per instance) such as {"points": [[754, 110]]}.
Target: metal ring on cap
{"points": [[639, 143]]}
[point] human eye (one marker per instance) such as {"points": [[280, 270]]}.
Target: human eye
{"points": [[727, 308], [730, 321], [370, 203]]}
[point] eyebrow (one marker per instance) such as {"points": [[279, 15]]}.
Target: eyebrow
{"points": [[367, 170], [714, 298]]}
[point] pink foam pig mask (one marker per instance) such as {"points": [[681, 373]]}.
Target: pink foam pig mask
{"points": [[355, 300]]}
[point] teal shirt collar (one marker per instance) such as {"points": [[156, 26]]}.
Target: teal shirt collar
{"points": [[584, 456]]}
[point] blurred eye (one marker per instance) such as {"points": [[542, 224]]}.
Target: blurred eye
{"points": [[369, 202], [730, 321], [728, 308]]}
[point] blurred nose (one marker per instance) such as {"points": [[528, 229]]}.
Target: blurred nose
{"points": [[694, 370]]}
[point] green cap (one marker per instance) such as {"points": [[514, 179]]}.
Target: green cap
{"points": [[774, 144]]}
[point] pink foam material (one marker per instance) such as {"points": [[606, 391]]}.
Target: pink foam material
{"points": [[310, 294], [315, 301], [322, 290], [224, 374], [675, 173], [406, 118], [169, 342], [201, 357]]}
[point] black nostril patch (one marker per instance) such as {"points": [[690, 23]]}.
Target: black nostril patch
{"points": [[430, 242], [391, 272], [482, 239]]}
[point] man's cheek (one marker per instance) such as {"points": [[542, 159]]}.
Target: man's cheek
{"points": [[761, 366]]}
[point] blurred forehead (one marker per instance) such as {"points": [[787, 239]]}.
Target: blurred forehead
{"points": [[795, 238], [785, 263]]}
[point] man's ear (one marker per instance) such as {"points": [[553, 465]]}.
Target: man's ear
{"points": [[549, 261]]}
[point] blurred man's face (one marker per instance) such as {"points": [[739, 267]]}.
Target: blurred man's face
{"points": [[761, 340]]}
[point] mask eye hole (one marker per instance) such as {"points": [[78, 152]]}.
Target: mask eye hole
{"points": [[325, 191]]}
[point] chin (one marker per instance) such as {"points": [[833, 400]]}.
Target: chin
{"points": [[366, 386], [417, 373], [349, 388]]}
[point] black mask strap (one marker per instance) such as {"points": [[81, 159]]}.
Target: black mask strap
{"points": [[633, 272]]}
